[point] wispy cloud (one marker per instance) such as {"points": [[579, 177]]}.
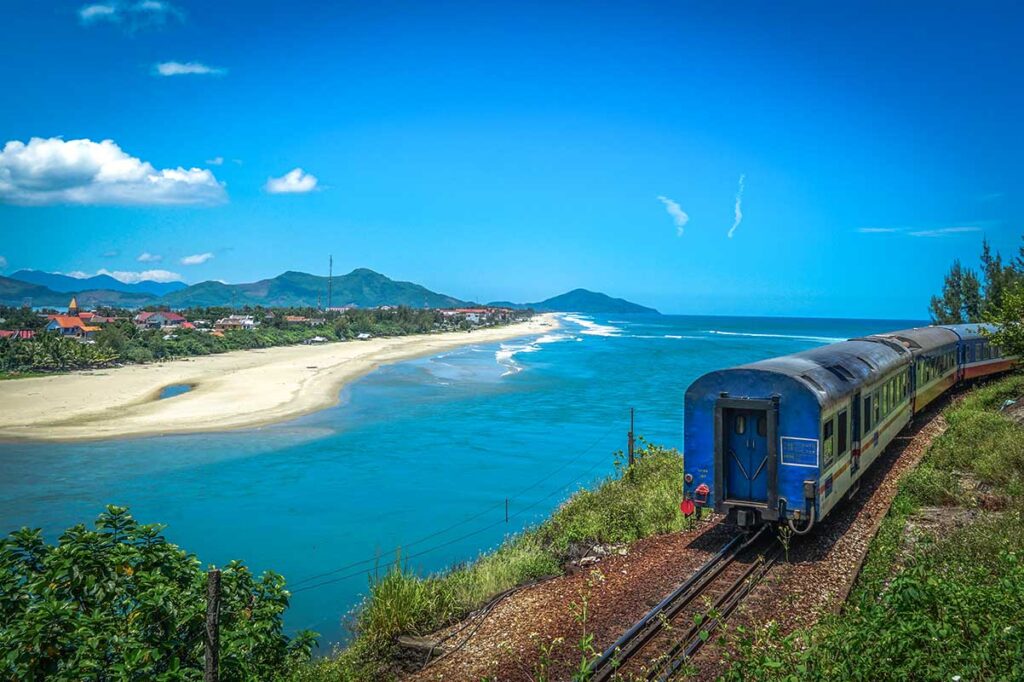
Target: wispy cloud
{"points": [[196, 259], [187, 69], [59, 171], [919, 232], [296, 181], [147, 257], [679, 216], [129, 276], [738, 208], [130, 15], [944, 231], [215, 161], [112, 253]]}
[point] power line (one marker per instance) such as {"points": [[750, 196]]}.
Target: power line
{"points": [[469, 519], [465, 536]]}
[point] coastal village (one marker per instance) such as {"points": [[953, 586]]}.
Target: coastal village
{"points": [[44, 340]]}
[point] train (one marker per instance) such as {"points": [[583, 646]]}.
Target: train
{"points": [[784, 440]]}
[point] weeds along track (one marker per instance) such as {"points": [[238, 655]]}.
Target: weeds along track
{"points": [[674, 630]]}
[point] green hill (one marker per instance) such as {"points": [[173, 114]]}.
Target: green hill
{"points": [[583, 301], [362, 287], [14, 292]]}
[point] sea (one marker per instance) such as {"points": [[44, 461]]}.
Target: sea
{"points": [[433, 460]]}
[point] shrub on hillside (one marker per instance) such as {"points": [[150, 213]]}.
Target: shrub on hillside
{"points": [[120, 602]]}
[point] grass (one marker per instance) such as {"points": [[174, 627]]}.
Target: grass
{"points": [[622, 509], [951, 609]]}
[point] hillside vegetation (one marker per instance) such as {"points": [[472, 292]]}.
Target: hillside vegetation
{"points": [[621, 509]]}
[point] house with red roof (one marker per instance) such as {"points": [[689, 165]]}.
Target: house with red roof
{"points": [[71, 326], [17, 334], [159, 320]]}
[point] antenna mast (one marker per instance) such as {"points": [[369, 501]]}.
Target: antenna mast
{"points": [[330, 280]]}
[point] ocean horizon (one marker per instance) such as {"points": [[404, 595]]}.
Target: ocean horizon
{"points": [[422, 456]]}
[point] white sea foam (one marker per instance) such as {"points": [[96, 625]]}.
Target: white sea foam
{"points": [[822, 339], [506, 353], [592, 328]]}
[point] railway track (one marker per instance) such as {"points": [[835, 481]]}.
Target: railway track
{"points": [[695, 609]]}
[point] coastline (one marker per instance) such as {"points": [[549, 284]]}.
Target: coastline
{"points": [[236, 390]]}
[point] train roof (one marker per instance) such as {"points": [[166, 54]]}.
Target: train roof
{"points": [[834, 371], [919, 339], [967, 332]]}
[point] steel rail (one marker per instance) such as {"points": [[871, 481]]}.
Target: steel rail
{"points": [[644, 630], [695, 637]]}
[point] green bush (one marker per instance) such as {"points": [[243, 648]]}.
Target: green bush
{"points": [[120, 602]]}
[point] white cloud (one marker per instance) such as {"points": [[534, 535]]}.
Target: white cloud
{"points": [[112, 253], [196, 259], [738, 209], [130, 277], [679, 216], [215, 161], [187, 69], [877, 230], [97, 12], [296, 181], [131, 15], [147, 257], [944, 231], [3, 262], [58, 171]]}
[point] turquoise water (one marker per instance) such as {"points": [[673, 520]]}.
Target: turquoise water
{"points": [[173, 390], [413, 450]]}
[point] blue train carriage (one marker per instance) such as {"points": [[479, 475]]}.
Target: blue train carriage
{"points": [[936, 366], [977, 356], [784, 439]]}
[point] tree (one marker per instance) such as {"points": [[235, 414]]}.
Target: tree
{"points": [[949, 308], [998, 277], [121, 603], [1009, 318]]}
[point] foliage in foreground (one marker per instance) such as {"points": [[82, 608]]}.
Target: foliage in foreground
{"points": [[950, 609], [622, 509], [120, 602]]}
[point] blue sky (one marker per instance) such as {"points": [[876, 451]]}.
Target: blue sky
{"points": [[518, 150]]}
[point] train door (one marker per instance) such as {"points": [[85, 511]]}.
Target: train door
{"points": [[855, 434], [746, 454]]}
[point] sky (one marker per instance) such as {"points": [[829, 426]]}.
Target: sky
{"points": [[790, 158]]}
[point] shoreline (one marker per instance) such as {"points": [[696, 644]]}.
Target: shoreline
{"points": [[231, 391]]}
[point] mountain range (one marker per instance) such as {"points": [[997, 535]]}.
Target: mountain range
{"points": [[361, 287], [67, 284]]}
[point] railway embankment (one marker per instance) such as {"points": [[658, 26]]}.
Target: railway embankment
{"points": [[941, 588], [465, 620]]}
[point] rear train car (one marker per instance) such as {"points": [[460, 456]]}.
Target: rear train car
{"points": [[783, 439]]}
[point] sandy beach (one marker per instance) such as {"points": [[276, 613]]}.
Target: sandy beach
{"points": [[241, 389]]}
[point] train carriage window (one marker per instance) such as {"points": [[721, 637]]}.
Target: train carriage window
{"points": [[867, 414], [762, 427], [827, 445], [841, 436], [740, 424], [878, 411]]}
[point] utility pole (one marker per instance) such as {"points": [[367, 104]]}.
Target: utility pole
{"points": [[211, 671], [330, 280], [632, 457]]}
